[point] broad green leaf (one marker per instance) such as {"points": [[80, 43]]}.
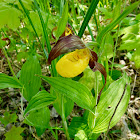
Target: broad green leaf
{"points": [[8, 118], [38, 118], [136, 58], [68, 103], [76, 91], [28, 77], [9, 16], [117, 21], [130, 44], [81, 135], [40, 100], [14, 133], [62, 22], [108, 102], [130, 32], [9, 81]]}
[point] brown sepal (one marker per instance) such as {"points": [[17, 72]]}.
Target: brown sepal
{"points": [[64, 45], [94, 58]]}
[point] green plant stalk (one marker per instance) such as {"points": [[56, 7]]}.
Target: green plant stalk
{"points": [[64, 119], [22, 111], [9, 64], [88, 16]]}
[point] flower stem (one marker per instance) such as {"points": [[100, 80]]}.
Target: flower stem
{"points": [[64, 119]]}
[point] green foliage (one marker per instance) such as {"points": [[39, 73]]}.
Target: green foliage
{"points": [[28, 77], [77, 92], [108, 102], [14, 133], [77, 124], [40, 100], [38, 118], [81, 135], [9, 16], [8, 118], [130, 41], [8, 81], [62, 22], [68, 103], [116, 21]]}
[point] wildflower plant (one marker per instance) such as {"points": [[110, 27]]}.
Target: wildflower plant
{"points": [[102, 100]]}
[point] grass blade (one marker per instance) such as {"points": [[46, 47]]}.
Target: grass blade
{"points": [[88, 16]]}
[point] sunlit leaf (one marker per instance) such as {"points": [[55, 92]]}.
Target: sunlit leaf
{"points": [[14, 133], [136, 58], [9, 16], [81, 135]]}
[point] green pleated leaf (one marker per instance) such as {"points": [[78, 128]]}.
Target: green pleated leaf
{"points": [[28, 77], [76, 91], [116, 21], [108, 102], [38, 118], [8, 81], [40, 100]]}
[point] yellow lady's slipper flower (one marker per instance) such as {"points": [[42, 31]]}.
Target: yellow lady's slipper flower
{"points": [[74, 63]]}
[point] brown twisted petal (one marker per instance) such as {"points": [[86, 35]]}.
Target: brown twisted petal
{"points": [[93, 58], [101, 68], [64, 45]]}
